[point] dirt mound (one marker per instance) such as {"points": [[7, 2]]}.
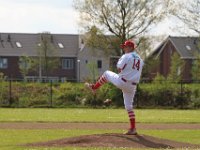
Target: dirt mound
{"points": [[114, 140]]}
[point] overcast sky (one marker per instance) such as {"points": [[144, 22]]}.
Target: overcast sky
{"points": [[55, 16], [33, 16]]}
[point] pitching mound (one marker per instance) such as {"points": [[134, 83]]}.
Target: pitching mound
{"points": [[114, 140]]}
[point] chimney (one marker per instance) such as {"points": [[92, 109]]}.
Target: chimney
{"points": [[1, 40], [9, 38], [51, 38]]}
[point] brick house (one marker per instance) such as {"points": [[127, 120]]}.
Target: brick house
{"points": [[74, 56], [186, 47]]}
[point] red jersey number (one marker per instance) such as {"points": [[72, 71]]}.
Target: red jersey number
{"points": [[136, 64]]}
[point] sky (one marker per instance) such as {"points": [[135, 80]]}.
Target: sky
{"points": [[54, 16], [35, 16]]}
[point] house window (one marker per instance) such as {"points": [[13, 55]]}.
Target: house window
{"points": [[3, 63], [60, 45], [67, 63], [18, 44], [99, 64]]}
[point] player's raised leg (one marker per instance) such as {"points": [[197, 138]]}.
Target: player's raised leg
{"points": [[102, 80], [108, 76]]}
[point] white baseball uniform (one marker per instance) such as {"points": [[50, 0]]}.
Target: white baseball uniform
{"points": [[130, 65]]}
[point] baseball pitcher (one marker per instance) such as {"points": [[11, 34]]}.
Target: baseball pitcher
{"points": [[129, 67]]}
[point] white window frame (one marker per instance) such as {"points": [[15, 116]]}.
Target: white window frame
{"points": [[3, 63], [67, 63]]}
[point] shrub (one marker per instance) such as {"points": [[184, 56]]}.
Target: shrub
{"points": [[114, 94], [196, 103], [32, 94], [143, 97], [68, 94], [164, 94], [160, 93], [195, 100], [183, 98], [107, 91]]}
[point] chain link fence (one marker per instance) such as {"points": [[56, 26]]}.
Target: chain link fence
{"points": [[165, 93], [19, 93]]}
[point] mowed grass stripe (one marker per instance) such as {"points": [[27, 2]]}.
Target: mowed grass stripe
{"points": [[98, 115]]}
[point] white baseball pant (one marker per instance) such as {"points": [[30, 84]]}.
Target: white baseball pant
{"points": [[127, 88]]}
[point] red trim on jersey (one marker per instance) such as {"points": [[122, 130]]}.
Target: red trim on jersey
{"points": [[124, 66]]}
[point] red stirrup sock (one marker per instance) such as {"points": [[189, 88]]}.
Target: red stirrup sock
{"points": [[132, 119], [102, 80]]}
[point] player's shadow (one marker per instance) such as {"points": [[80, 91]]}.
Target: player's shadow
{"points": [[143, 141], [151, 144]]}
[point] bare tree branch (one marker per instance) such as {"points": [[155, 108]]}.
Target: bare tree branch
{"points": [[123, 18], [189, 14]]}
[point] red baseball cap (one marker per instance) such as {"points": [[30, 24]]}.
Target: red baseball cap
{"points": [[128, 43]]}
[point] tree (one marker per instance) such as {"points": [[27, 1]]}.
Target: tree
{"points": [[189, 13], [151, 65], [144, 47], [46, 61], [176, 68], [95, 39], [196, 68], [125, 19], [93, 70], [25, 64]]}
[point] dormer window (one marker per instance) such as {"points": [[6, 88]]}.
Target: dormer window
{"points": [[188, 47], [60, 45], [18, 44]]}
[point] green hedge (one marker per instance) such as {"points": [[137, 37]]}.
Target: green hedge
{"points": [[161, 94], [169, 95]]}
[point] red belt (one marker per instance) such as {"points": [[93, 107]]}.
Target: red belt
{"points": [[133, 83]]}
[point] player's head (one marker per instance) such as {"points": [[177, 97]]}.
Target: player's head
{"points": [[128, 46]]}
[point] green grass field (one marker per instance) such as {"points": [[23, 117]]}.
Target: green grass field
{"points": [[10, 139], [98, 115]]}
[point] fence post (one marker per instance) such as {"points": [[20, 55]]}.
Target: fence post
{"points": [[10, 91], [51, 94], [181, 89]]}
